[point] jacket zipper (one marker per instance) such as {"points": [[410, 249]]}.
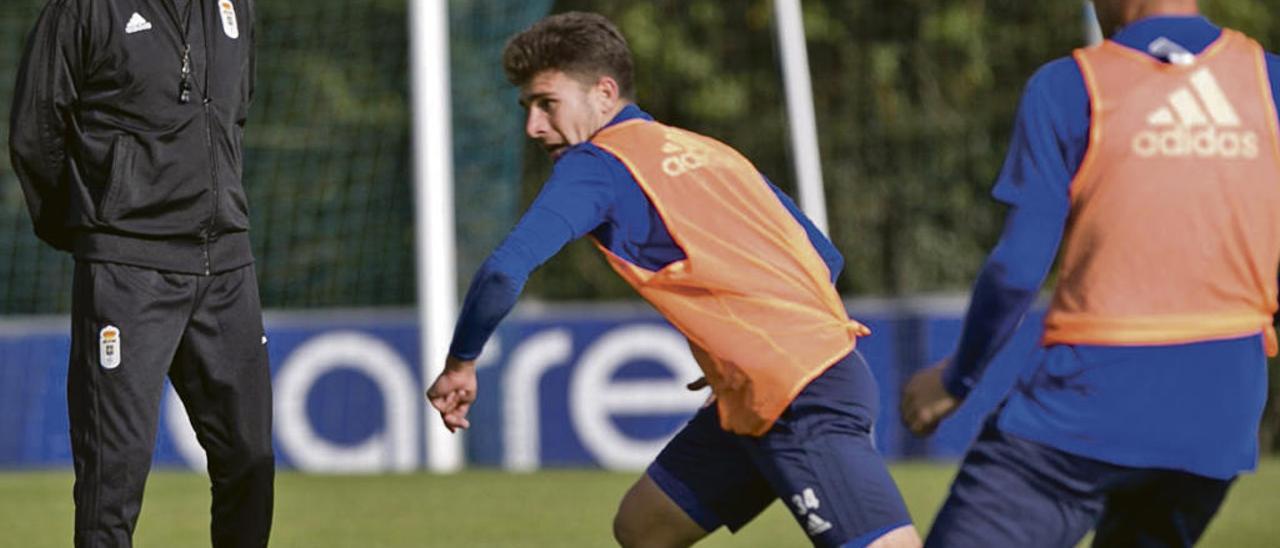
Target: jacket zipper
{"points": [[213, 165], [208, 129], [208, 119]]}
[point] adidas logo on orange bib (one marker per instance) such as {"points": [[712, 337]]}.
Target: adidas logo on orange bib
{"points": [[1198, 122], [682, 155]]}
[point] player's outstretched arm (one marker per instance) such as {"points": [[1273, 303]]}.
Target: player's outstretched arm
{"points": [[453, 392], [926, 401], [1042, 160]]}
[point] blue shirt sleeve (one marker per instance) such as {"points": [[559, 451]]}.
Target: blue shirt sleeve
{"points": [[1273, 72], [830, 255], [1049, 140], [575, 200]]}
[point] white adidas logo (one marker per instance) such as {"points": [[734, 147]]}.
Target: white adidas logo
{"points": [[682, 158], [1185, 129], [816, 525], [136, 24], [806, 503]]}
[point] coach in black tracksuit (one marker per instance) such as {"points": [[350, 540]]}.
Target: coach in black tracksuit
{"points": [[126, 134]]}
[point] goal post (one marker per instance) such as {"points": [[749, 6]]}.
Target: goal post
{"points": [[433, 219]]}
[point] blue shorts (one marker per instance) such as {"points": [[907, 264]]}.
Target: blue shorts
{"points": [[1014, 492], [818, 458]]}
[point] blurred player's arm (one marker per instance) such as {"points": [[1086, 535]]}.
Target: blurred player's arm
{"points": [[1273, 72], [830, 255], [1034, 184], [572, 203], [43, 98]]}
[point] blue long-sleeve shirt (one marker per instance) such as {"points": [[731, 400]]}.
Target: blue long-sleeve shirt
{"points": [[1191, 407], [589, 192]]}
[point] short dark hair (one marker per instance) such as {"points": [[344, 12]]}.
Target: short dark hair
{"points": [[576, 43]]}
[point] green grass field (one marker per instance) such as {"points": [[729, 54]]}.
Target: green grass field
{"points": [[491, 509]]}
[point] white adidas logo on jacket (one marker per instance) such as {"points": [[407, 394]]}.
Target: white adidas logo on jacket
{"points": [[136, 24]]}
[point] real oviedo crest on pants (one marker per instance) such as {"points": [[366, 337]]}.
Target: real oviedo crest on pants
{"points": [[109, 347]]}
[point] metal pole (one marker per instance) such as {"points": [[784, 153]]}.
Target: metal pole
{"points": [[433, 217], [804, 129], [1092, 30]]}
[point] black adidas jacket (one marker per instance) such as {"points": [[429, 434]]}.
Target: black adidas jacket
{"points": [[113, 165]]}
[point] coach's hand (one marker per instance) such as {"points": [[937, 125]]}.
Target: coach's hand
{"points": [[453, 392], [925, 401]]}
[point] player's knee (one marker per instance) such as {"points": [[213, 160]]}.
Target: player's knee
{"points": [[645, 518], [627, 526], [631, 531], [622, 531], [902, 537], [633, 523]]}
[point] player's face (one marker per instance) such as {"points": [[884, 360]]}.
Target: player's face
{"points": [[563, 111]]}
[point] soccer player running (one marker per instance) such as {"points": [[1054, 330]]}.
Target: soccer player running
{"points": [[1153, 161], [733, 264]]}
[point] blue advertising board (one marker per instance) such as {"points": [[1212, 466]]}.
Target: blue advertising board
{"points": [[559, 386]]}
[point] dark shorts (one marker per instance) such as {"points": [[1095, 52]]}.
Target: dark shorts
{"points": [[1014, 492], [818, 458]]}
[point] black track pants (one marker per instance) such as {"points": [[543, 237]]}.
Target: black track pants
{"points": [[132, 327]]}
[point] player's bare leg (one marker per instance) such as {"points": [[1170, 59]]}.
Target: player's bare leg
{"points": [[902, 537], [648, 518]]}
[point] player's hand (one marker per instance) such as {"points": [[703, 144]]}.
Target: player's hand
{"points": [[925, 400], [453, 392]]}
